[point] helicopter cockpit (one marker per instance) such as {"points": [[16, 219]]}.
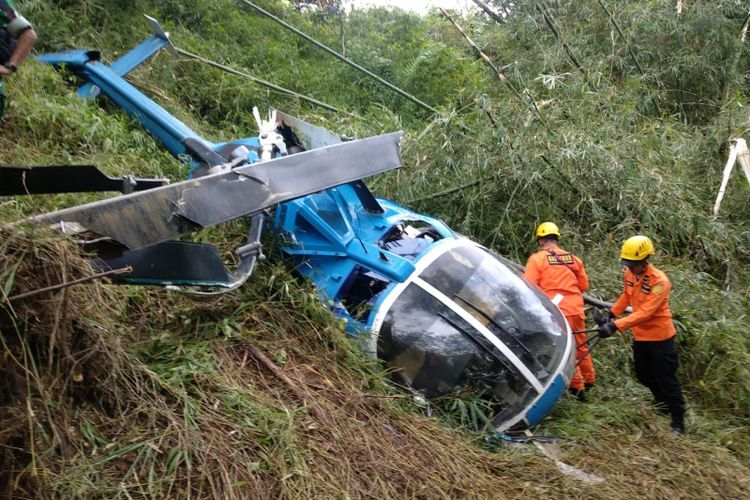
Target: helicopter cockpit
{"points": [[467, 318], [408, 240]]}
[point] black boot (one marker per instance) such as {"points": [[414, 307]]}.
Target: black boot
{"points": [[579, 394], [678, 425]]}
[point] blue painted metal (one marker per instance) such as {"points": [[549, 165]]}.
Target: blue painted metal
{"points": [[127, 63], [543, 406], [332, 231], [168, 130]]}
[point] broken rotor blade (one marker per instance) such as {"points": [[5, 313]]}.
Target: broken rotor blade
{"points": [[144, 218], [168, 263], [312, 136], [68, 179]]}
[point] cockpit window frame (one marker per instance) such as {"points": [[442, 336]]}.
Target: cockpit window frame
{"points": [[421, 265]]}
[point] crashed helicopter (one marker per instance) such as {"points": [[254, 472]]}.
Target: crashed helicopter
{"points": [[442, 311]]}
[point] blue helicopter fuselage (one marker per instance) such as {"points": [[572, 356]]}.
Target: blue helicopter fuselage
{"points": [[442, 311]]}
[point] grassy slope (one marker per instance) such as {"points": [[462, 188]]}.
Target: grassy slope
{"points": [[150, 394]]}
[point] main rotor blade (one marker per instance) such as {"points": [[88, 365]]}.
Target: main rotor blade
{"points": [[68, 179], [144, 218], [311, 136]]}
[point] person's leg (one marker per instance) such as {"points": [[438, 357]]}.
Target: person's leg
{"points": [[641, 363], [665, 354], [577, 383], [585, 364], [645, 371]]}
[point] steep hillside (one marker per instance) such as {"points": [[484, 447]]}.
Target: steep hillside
{"points": [[132, 392]]}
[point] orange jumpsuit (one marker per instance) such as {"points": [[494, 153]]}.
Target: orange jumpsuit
{"points": [[651, 320], [558, 272]]}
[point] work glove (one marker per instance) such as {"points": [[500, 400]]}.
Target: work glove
{"points": [[601, 316], [607, 329]]}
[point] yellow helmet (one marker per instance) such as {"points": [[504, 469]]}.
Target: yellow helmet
{"points": [[546, 229], [636, 249]]}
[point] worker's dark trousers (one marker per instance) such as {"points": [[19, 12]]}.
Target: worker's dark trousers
{"points": [[656, 368]]}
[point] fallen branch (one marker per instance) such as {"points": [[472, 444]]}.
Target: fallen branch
{"points": [[490, 12], [279, 373], [70, 283]]}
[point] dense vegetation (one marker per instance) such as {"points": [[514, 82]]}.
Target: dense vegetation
{"points": [[133, 392]]}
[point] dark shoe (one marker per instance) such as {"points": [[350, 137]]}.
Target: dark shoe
{"points": [[579, 394], [678, 425], [588, 385]]}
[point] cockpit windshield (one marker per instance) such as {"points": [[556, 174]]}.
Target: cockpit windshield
{"points": [[470, 320], [431, 348], [488, 288]]}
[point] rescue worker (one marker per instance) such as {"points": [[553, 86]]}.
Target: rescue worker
{"points": [[17, 37], [646, 290], [560, 273]]}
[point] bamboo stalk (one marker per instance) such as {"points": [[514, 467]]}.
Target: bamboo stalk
{"points": [[445, 192], [552, 24], [259, 81], [489, 12], [733, 68], [622, 36], [354, 65], [340, 57], [500, 75], [628, 46]]}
